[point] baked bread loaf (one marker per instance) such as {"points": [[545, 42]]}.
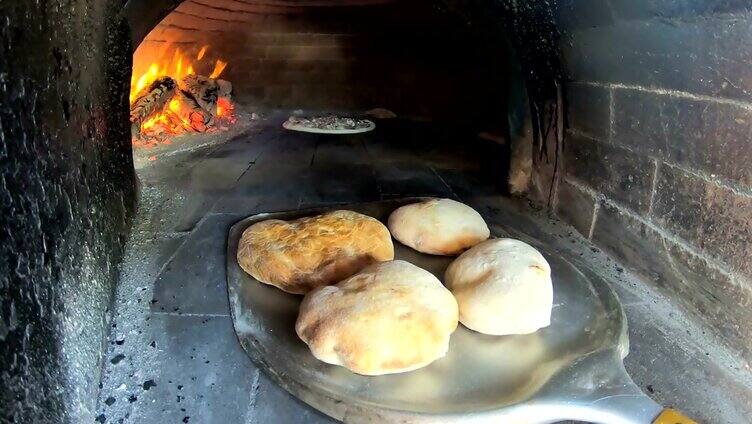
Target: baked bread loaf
{"points": [[298, 256], [391, 317], [502, 286], [438, 226]]}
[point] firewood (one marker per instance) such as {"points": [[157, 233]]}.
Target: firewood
{"points": [[185, 111], [151, 100], [203, 89], [225, 88]]}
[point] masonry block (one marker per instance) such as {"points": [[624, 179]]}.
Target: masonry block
{"points": [[576, 206], [685, 9], [588, 109], [700, 56], [702, 135], [716, 219], [720, 301], [576, 14], [188, 22], [571, 15], [616, 172]]}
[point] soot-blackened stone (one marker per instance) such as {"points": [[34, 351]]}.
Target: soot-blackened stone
{"points": [[66, 195], [117, 358]]}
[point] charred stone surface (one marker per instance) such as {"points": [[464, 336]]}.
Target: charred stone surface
{"points": [[66, 193]]}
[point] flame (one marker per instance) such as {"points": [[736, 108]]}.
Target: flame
{"points": [[174, 106], [166, 62], [218, 68], [201, 53], [151, 63]]}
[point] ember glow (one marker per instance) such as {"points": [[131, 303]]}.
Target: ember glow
{"points": [[225, 108], [171, 95]]}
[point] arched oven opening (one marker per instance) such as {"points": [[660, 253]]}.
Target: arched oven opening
{"points": [[413, 61]]}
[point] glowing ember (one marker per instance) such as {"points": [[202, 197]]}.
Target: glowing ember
{"points": [[225, 108], [169, 98]]}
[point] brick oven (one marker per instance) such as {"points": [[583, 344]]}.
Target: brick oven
{"points": [[617, 133]]}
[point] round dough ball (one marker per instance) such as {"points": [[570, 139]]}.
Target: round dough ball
{"points": [[391, 317], [438, 226], [298, 256], [502, 286]]}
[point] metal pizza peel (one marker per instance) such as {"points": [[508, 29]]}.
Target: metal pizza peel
{"points": [[571, 370]]}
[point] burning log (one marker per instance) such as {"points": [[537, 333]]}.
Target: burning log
{"points": [[185, 111], [225, 89], [203, 89], [225, 107], [167, 108], [151, 100]]}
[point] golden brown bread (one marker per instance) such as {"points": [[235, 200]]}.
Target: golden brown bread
{"points": [[438, 226], [298, 256], [390, 317], [502, 286]]}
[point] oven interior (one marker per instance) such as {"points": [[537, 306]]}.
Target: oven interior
{"points": [[617, 131]]}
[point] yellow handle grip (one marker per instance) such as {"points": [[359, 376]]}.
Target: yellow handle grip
{"points": [[672, 416]]}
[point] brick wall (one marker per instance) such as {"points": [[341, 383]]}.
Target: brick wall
{"points": [[658, 149], [402, 55]]}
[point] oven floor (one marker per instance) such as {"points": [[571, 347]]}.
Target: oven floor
{"points": [[173, 356]]}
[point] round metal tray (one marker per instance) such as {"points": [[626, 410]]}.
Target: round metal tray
{"points": [[288, 126], [569, 370]]}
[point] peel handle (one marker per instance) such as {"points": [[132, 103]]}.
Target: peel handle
{"points": [[672, 416]]}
